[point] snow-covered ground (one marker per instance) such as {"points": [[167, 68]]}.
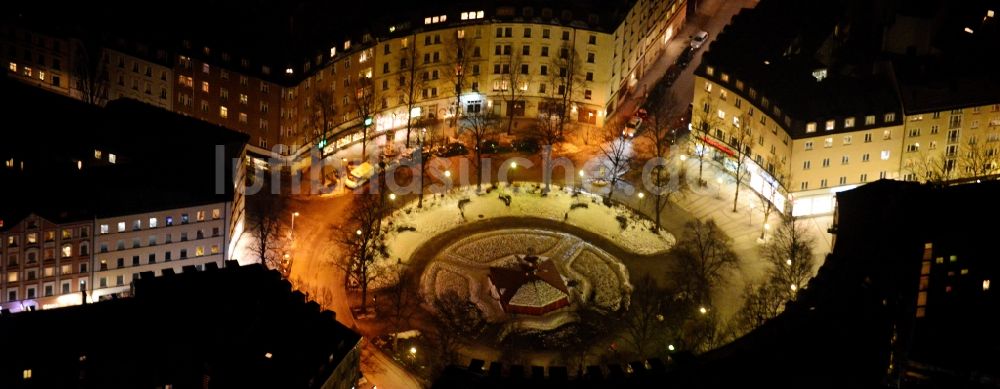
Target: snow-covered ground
{"points": [[463, 267], [440, 214]]}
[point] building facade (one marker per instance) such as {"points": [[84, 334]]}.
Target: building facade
{"points": [[45, 263], [522, 62], [41, 60], [812, 121], [151, 242], [138, 72]]}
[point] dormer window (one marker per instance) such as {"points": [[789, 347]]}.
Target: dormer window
{"points": [[819, 74]]}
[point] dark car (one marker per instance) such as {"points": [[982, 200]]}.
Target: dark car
{"points": [[491, 147], [526, 145], [453, 149]]}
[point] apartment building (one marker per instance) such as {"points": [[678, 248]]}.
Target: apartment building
{"points": [[814, 124], [40, 57], [106, 202], [46, 260], [140, 72], [576, 58]]}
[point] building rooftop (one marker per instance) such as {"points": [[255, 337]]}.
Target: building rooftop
{"points": [[286, 34], [778, 47], [58, 153], [238, 327]]}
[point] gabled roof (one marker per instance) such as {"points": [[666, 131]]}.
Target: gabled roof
{"points": [[528, 284]]}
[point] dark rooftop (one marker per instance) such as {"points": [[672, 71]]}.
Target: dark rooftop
{"points": [[162, 160], [776, 46], [279, 34], [238, 327]]}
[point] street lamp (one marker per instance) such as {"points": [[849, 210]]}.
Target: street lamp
{"points": [[291, 232], [392, 196], [641, 195], [703, 310], [358, 232], [413, 351]]}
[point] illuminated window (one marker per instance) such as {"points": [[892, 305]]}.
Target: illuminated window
{"points": [[243, 118], [67, 251], [811, 127], [12, 67], [215, 249], [200, 216], [104, 229], [32, 238], [41, 75], [869, 120], [216, 213], [12, 277], [223, 112], [199, 251], [27, 71], [26, 374], [828, 142], [849, 122], [830, 125], [722, 114], [112, 158], [986, 285], [153, 222], [885, 155], [121, 226]]}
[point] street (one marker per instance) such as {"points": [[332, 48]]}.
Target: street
{"points": [[313, 269]]}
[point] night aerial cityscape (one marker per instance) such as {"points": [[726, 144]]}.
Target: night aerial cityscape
{"points": [[500, 194]]}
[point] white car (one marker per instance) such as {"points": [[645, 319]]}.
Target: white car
{"points": [[699, 39], [631, 127]]}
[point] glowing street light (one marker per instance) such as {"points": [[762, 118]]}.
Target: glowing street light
{"points": [[392, 196], [447, 173], [413, 351], [795, 287], [788, 262], [670, 347], [358, 232], [641, 195], [684, 158], [703, 310], [582, 173], [513, 165]]}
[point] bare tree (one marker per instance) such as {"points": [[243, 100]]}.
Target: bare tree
{"points": [[477, 127], [932, 168], [661, 137], [791, 257], [90, 62], [403, 298], [323, 111], [978, 160], [643, 323], [767, 197], [264, 211], [411, 83], [364, 103], [513, 82], [743, 138], [459, 57], [703, 254], [568, 79], [617, 153], [703, 120], [364, 241], [547, 131], [761, 302]]}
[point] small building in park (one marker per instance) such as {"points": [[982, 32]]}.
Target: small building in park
{"points": [[534, 287]]}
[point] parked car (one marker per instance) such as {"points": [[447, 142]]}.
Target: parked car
{"points": [[526, 145], [491, 146], [632, 127], [453, 149], [698, 39], [685, 58], [359, 175]]}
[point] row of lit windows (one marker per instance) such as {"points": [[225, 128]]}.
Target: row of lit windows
{"points": [[825, 183], [845, 160], [155, 222], [41, 74], [199, 251], [152, 241], [50, 236]]}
